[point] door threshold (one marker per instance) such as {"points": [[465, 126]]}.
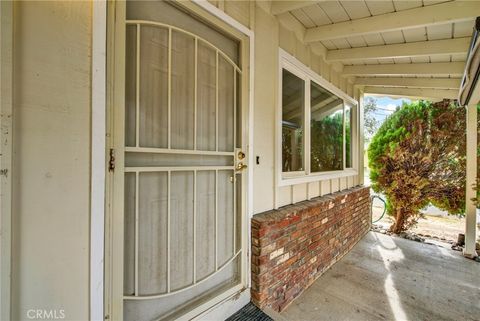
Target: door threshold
{"points": [[226, 307]]}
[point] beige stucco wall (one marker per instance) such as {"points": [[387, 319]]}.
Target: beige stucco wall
{"points": [[52, 42], [272, 33]]}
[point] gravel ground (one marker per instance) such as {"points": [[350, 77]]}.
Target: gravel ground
{"points": [[445, 228]]}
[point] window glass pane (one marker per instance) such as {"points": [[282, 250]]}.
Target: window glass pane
{"points": [[326, 130], [348, 136], [292, 122]]}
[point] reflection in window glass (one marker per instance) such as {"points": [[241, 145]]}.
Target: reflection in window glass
{"points": [[348, 136], [326, 130], [292, 122]]}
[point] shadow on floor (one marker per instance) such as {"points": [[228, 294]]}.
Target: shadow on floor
{"points": [[389, 278]]}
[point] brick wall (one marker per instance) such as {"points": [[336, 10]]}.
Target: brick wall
{"points": [[294, 245]]}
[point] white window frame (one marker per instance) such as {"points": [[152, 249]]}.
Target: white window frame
{"points": [[353, 138], [301, 75], [293, 65]]}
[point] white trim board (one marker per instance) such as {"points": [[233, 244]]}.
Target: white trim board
{"points": [[470, 209], [6, 136], [97, 181], [316, 177], [224, 17]]}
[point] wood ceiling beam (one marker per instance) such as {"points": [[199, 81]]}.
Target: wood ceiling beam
{"points": [[454, 69], [412, 49], [279, 7], [448, 83], [436, 94], [442, 13]]}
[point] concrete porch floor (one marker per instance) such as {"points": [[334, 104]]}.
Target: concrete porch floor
{"points": [[390, 278]]}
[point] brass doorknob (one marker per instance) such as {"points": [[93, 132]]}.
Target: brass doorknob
{"points": [[240, 166]]}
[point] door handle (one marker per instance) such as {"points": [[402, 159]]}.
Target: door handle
{"points": [[240, 166]]}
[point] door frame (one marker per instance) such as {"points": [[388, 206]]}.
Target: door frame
{"points": [[115, 97], [6, 163], [98, 160]]}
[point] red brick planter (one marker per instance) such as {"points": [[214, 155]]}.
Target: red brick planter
{"points": [[294, 245]]}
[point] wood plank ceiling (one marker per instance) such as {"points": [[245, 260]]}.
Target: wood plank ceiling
{"points": [[432, 36]]}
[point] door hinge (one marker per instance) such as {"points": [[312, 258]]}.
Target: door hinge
{"points": [[111, 162]]}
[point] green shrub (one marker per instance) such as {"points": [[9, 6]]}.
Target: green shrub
{"points": [[417, 157]]}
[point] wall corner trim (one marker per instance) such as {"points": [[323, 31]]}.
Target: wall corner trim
{"points": [[98, 143]]}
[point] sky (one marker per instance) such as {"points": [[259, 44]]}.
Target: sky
{"points": [[386, 106]]}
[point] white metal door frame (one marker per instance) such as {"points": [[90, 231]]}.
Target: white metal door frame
{"points": [[115, 146]]}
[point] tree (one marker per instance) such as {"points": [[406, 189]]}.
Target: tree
{"points": [[327, 143], [371, 124], [418, 157]]}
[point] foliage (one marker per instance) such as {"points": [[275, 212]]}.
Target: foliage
{"points": [[327, 143], [417, 157], [371, 124], [292, 148]]}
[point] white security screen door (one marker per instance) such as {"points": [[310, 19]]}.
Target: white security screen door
{"points": [[183, 192]]}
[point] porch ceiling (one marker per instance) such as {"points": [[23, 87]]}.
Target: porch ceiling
{"points": [[390, 43]]}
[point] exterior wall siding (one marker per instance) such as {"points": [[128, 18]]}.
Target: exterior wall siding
{"points": [[266, 69], [270, 35], [51, 179], [294, 245]]}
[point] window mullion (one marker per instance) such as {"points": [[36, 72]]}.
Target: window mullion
{"points": [[307, 106], [356, 134], [354, 137], [344, 140]]}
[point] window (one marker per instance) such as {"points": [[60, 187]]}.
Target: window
{"points": [[317, 124], [348, 136], [326, 130], [293, 102]]}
